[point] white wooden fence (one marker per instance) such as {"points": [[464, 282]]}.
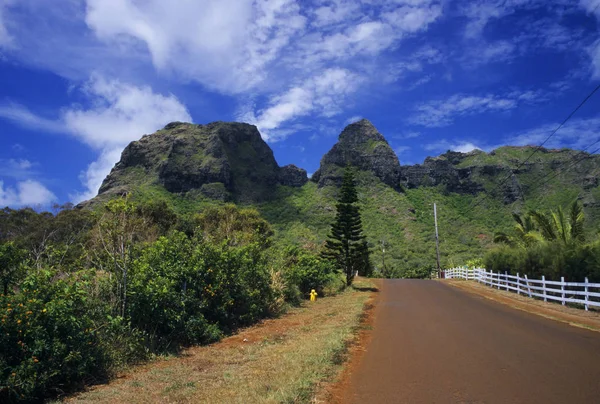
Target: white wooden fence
{"points": [[583, 293]]}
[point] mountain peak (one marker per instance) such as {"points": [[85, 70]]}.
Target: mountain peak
{"points": [[219, 160], [361, 145]]}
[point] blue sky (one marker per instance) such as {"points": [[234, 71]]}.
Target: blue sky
{"points": [[80, 79]]}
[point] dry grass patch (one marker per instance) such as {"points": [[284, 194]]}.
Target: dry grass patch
{"points": [[278, 361]]}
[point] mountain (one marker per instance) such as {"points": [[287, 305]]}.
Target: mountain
{"points": [[192, 166], [222, 161], [362, 146]]}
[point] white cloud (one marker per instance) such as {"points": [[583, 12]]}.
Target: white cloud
{"points": [[118, 114], [324, 95], [96, 173], [444, 145], [24, 117], [353, 119], [334, 13], [254, 48], [576, 134], [442, 113], [401, 149], [16, 168], [26, 193], [233, 46], [6, 39], [439, 113], [594, 53], [224, 44]]}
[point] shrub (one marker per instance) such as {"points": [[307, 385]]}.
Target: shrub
{"points": [[48, 343], [183, 292], [505, 259], [308, 271]]}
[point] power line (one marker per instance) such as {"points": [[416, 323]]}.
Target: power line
{"points": [[538, 148], [583, 157]]}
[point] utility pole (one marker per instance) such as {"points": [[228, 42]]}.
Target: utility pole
{"points": [[437, 241], [383, 254]]}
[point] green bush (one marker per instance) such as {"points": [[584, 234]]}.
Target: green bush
{"points": [[505, 259], [192, 292], [308, 271], [48, 343]]}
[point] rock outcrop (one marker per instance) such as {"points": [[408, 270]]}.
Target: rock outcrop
{"points": [[362, 146], [292, 176], [221, 160]]}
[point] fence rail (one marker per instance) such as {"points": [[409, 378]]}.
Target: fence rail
{"points": [[583, 293]]}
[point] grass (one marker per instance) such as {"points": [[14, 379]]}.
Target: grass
{"points": [[278, 361]]}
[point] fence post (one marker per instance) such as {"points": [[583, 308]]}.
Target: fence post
{"points": [[586, 294], [527, 283], [562, 289], [544, 287], [506, 280], [518, 284], [498, 280]]}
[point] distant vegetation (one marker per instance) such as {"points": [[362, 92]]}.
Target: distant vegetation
{"points": [[551, 243], [86, 292]]}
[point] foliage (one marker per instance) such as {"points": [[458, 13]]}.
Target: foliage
{"points": [[118, 230], [308, 271], [549, 244], [233, 225], [185, 292], [346, 245], [49, 341], [11, 258]]}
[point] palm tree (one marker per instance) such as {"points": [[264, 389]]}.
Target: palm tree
{"points": [[525, 233], [568, 229]]}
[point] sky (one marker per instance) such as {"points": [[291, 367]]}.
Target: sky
{"points": [[80, 79]]}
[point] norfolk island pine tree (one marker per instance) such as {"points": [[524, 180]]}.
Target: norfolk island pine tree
{"points": [[346, 244]]}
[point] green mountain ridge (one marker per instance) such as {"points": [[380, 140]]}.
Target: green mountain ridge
{"points": [[194, 166]]}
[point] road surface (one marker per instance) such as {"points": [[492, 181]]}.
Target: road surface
{"points": [[432, 343]]}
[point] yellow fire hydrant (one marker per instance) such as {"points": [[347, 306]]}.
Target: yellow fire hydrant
{"points": [[313, 296]]}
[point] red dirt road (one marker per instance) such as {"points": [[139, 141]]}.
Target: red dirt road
{"points": [[432, 343]]}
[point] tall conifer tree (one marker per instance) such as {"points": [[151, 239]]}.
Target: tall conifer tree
{"points": [[346, 245]]}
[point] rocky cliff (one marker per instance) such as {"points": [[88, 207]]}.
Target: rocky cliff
{"points": [[362, 146], [220, 160], [502, 172]]}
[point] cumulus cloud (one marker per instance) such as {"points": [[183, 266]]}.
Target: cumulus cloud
{"points": [[233, 46], [26, 193], [226, 44], [324, 95], [118, 113]]}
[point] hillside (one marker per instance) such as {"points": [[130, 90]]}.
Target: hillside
{"points": [[193, 166]]}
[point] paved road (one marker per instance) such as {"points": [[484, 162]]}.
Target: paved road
{"points": [[433, 343]]}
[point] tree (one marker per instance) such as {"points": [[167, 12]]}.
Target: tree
{"points": [[568, 229], [118, 231], [525, 233], [11, 258], [236, 226], [346, 245]]}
